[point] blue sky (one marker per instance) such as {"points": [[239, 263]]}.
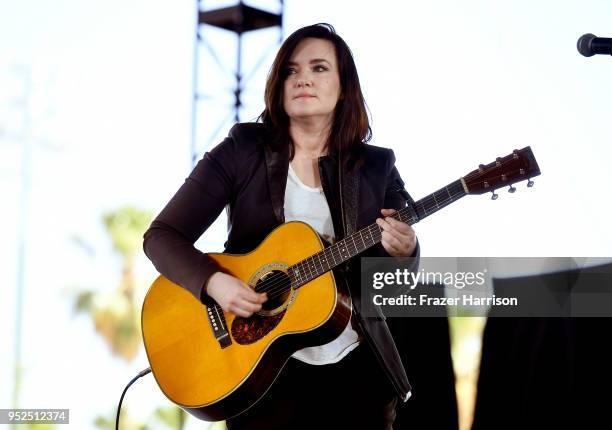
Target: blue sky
{"points": [[107, 87]]}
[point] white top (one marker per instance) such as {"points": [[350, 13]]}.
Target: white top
{"points": [[307, 204]]}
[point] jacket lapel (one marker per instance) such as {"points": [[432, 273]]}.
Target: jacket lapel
{"points": [[277, 168], [342, 193]]}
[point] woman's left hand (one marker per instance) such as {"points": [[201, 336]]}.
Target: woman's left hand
{"points": [[398, 238]]}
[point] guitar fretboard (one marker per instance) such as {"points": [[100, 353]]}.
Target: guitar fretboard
{"points": [[336, 254]]}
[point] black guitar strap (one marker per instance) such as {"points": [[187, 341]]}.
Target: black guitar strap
{"points": [[349, 206], [349, 197]]}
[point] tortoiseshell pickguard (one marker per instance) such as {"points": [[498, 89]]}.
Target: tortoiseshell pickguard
{"points": [[249, 330]]}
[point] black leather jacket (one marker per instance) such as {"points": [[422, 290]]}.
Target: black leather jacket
{"points": [[247, 177]]}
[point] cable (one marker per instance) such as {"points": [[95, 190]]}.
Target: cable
{"points": [[140, 375]]}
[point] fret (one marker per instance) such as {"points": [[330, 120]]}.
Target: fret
{"points": [[305, 274], [303, 270], [442, 196], [321, 260], [400, 215], [356, 251], [310, 266], [291, 278], [326, 260], [435, 201], [379, 231], [329, 254], [306, 269], [335, 253], [347, 249], [338, 252], [332, 251], [423, 207], [328, 264], [371, 236], [342, 248], [376, 230], [371, 230], [317, 259], [296, 273], [362, 241], [449, 194], [408, 215], [333, 256]]}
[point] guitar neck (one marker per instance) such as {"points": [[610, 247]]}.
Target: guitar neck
{"points": [[345, 249]]}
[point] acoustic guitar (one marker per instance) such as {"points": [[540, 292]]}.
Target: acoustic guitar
{"points": [[216, 365]]}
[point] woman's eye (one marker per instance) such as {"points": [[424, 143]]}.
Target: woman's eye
{"points": [[320, 68]]}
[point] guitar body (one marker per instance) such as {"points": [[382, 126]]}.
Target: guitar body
{"points": [[213, 382]]}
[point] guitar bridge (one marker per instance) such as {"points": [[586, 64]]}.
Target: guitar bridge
{"points": [[218, 325]]}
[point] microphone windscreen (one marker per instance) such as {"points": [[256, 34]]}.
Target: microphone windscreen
{"points": [[584, 45]]}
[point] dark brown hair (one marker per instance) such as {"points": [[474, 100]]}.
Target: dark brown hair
{"points": [[351, 127]]}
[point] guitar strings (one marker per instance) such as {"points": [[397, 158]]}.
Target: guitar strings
{"points": [[277, 284], [280, 283]]}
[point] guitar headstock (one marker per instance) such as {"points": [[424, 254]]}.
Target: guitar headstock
{"points": [[518, 166]]}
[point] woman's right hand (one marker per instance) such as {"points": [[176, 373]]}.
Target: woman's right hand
{"points": [[233, 295]]}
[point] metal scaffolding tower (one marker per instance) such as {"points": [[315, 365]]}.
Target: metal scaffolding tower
{"points": [[219, 30]]}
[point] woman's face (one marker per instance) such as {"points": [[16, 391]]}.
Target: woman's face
{"points": [[312, 87]]}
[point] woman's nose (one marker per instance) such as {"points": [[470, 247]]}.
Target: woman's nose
{"points": [[303, 82], [303, 79]]}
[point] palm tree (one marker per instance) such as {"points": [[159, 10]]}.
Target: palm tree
{"points": [[116, 315]]}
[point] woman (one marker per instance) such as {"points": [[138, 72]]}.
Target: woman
{"points": [[307, 159]]}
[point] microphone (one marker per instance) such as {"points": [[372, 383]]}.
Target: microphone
{"points": [[589, 45]]}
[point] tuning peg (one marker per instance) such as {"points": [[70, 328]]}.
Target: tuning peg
{"points": [[530, 183], [493, 195], [511, 189]]}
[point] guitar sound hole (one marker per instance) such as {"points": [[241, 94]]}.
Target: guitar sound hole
{"points": [[278, 286]]}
